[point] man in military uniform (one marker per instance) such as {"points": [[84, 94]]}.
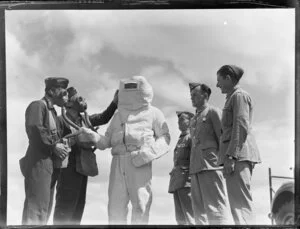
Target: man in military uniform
{"points": [[180, 181], [72, 182], [44, 134], [209, 194], [238, 149]]}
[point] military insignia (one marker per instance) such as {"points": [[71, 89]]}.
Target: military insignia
{"points": [[181, 145]]}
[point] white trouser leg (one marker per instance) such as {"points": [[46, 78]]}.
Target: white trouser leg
{"points": [[138, 181], [118, 197]]}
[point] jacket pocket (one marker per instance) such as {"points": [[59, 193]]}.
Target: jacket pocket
{"points": [[210, 154], [46, 164], [227, 117], [178, 179]]}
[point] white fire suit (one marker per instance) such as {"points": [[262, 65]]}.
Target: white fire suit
{"points": [[137, 134]]}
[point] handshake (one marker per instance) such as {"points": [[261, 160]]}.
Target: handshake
{"points": [[85, 137]]}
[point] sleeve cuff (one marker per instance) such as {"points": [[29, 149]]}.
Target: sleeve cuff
{"points": [[142, 157]]}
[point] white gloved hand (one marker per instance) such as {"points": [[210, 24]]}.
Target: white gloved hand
{"points": [[142, 156], [134, 153], [85, 137]]}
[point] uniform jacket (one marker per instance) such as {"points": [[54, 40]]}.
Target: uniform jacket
{"points": [[180, 177], [205, 133], [43, 131], [237, 139]]}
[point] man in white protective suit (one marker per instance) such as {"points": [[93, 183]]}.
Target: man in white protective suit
{"points": [[137, 134]]}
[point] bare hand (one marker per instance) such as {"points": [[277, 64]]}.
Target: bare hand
{"points": [[229, 166], [115, 99], [61, 151]]}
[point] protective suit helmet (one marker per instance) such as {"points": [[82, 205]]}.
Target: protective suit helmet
{"points": [[134, 93]]}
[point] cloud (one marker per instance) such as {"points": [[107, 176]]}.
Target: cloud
{"points": [[167, 85], [94, 49], [76, 36], [276, 138], [44, 35], [21, 70]]}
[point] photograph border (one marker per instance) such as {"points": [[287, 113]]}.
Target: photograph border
{"points": [[139, 4]]}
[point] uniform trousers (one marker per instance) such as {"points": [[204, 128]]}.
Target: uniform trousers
{"points": [[39, 188], [70, 197], [239, 192], [183, 206], [209, 198]]}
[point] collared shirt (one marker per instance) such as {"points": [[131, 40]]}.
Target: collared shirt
{"points": [[205, 133], [41, 137], [237, 139], [180, 177]]}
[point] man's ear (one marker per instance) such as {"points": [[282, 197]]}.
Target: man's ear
{"points": [[228, 77], [206, 95], [232, 79], [51, 93]]}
